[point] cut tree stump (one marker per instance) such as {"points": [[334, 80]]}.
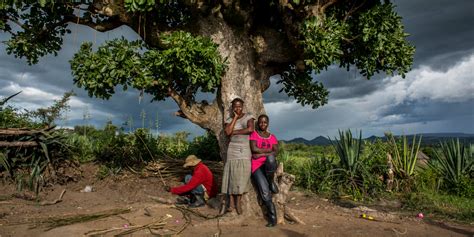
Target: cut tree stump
{"points": [[251, 207]]}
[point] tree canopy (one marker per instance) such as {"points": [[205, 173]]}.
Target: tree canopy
{"points": [[365, 34], [230, 47]]}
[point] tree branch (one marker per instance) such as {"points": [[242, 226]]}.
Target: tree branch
{"points": [[328, 4], [352, 10], [197, 113], [103, 26], [15, 20]]}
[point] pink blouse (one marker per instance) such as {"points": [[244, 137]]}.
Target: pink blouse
{"points": [[262, 142]]}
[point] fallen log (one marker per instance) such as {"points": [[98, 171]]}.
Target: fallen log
{"points": [[18, 144], [23, 131]]}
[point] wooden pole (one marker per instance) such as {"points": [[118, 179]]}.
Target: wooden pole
{"points": [[18, 144]]}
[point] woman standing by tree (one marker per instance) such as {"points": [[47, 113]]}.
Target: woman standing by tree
{"points": [[264, 146], [237, 168]]}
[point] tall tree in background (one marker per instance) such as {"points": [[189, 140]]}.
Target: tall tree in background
{"points": [[227, 47]]}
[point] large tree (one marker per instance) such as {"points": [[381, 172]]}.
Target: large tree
{"points": [[228, 47]]}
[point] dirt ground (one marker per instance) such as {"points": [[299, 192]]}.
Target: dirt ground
{"points": [[18, 215]]}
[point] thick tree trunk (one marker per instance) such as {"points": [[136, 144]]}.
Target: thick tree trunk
{"points": [[240, 80]]}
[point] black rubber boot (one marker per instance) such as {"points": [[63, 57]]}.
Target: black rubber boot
{"points": [[182, 200], [199, 201], [271, 214]]}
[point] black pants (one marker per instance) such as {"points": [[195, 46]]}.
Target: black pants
{"points": [[270, 165], [261, 182], [260, 179], [263, 176]]}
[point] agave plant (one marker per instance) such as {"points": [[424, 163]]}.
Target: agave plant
{"points": [[4, 162], [404, 156], [454, 162], [348, 150]]}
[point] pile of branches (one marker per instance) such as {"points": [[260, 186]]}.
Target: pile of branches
{"points": [[173, 168], [32, 157]]}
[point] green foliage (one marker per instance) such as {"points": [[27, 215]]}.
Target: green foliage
{"points": [[115, 150], [27, 165], [41, 28], [116, 62], [440, 205], [184, 63], [372, 40], [455, 165], [82, 147], [322, 38], [319, 169], [348, 150], [374, 157], [352, 175], [10, 117], [139, 5], [50, 114], [174, 146], [105, 171], [368, 35], [205, 147], [299, 85], [382, 45], [404, 156], [427, 179], [311, 172]]}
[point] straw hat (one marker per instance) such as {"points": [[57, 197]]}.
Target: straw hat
{"points": [[191, 160]]}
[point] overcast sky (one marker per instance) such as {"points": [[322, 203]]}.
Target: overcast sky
{"points": [[437, 95]]}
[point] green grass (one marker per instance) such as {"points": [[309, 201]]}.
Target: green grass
{"points": [[441, 206]]}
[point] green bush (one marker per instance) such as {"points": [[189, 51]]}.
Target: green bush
{"points": [[374, 156], [82, 147], [205, 147], [310, 172], [427, 179], [10, 117], [352, 174], [175, 146]]}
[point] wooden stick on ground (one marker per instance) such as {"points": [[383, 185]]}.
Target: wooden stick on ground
{"points": [[161, 200], [159, 173], [289, 215], [60, 199]]}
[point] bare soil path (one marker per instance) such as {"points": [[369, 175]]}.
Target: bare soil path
{"points": [[131, 193]]}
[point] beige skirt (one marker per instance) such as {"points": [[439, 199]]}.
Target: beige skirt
{"points": [[236, 176]]}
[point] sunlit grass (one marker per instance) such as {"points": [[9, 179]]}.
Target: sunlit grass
{"points": [[441, 205]]}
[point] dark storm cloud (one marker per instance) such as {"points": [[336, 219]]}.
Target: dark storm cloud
{"points": [[340, 83], [441, 30], [427, 111]]}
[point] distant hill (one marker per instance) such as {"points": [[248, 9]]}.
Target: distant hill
{"points": [[427, 139], [321, 141]]}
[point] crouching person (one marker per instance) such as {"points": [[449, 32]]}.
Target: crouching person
{"points": [[198, 187]]}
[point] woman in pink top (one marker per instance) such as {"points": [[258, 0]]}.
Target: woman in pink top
{"points": [[264, 147]]}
